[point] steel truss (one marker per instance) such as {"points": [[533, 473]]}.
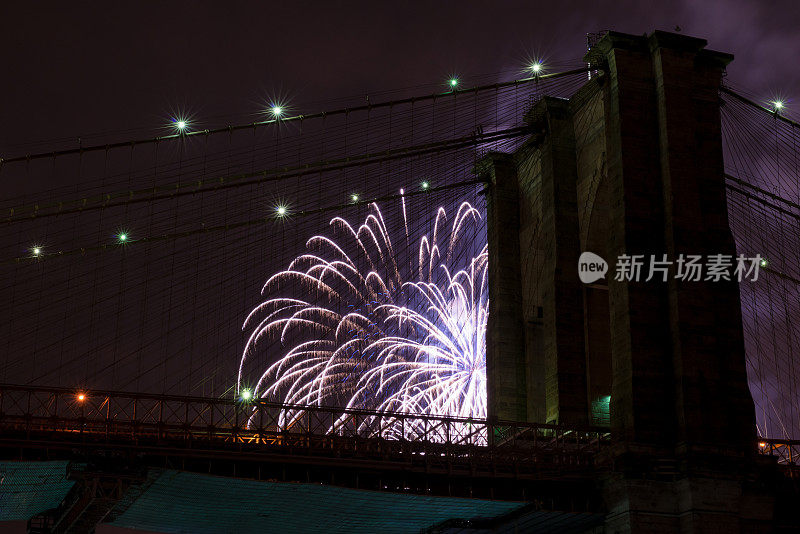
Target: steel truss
{"points": [[197, 427], [33, 416]]}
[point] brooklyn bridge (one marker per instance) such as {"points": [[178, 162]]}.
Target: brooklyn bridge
{"points": [[379, 307]]}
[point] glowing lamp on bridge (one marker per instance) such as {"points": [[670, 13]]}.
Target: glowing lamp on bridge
{"points": [[276, 111], [36, 251], [777, 105], [453, 82], [281, 211], [81, 397], [354, 197], [122, 237], [425, 185], [764, 262], [246, 395], [536, 67], [181, 125]]}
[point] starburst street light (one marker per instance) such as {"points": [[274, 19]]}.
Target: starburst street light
{"points": [[246, 395], [354, 197], [453, 82], [281, 210], [180, 125], [536, 67], [425, 185], [777, 105], [276, 111], [36, 251]]}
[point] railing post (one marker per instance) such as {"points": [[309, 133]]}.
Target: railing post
{"points": [[55, 410], [212, 406], [28, 417], [82, 420], [236, 422], [108, 415], [260, 408], [160, 425], [355, 432]]}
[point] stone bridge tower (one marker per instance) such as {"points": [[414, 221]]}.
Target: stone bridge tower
{"points": [[631, 164]]}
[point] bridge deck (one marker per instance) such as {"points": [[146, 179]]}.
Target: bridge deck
{"points": [[273, 438]]}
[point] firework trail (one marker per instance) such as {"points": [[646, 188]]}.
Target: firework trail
{"points": [[373, 329]]}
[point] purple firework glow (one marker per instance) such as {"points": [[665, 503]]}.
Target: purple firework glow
{"points": [[363, 321]]}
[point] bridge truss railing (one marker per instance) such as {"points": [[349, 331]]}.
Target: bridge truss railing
{"points": [[787, 451], [31, 414], [35, 413]]}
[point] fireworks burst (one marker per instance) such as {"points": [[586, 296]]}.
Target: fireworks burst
{"points": [[361, 326]]}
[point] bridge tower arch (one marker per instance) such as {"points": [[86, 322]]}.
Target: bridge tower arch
{"points": [[631, 164]]}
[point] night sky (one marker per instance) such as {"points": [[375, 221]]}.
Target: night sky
{"points": [[111, 72], [74, 70]]}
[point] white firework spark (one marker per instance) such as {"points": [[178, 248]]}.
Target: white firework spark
{"points": [[373, 330]]}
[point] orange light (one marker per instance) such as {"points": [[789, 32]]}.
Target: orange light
{"points": [[762, 444], [81, 397]]}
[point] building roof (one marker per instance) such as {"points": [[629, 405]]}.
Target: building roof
{"points": [[29, 488], [183, 502]]}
